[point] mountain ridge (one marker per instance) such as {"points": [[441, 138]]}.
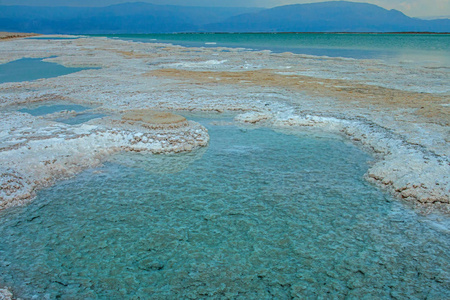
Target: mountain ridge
{"points": [[331, 16], [142, 17]]}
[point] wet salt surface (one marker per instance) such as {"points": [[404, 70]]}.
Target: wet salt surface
{"points": [[261, 215], [78, 118], [418, 49], [53, 38]]}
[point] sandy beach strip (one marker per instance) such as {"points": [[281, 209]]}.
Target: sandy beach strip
{"points": [[4, 36]]}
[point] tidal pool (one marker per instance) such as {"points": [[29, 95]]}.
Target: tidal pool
{"points": [[79, 118], [259, 214], [27, 69], [50, 109]]}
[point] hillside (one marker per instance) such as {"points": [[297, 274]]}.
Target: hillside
{"points": [[328, 17], [333, 16], [121, 18]]}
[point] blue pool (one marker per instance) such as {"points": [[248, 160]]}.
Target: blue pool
{"points": [[259, 214]]}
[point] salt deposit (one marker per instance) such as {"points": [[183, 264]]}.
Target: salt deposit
{"points": [[404, 169], [5, 294], [39, 152], [399, 113]]}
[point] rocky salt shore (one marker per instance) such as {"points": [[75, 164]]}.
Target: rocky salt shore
{"points": [[398, 112], [35, 153]]}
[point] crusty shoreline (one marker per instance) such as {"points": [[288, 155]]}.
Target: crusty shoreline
{"points": [[56, 151], [15, 35], [400, 115]]}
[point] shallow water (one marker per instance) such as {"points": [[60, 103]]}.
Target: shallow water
{"points": [[421, 49], [79, 118], [259, 215], [50, 109], [27, 69]]}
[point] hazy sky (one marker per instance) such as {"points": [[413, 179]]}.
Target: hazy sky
{"points": [[413, 8]]}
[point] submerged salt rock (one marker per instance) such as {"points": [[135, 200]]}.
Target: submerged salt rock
{"points": [[13, 187], [252, 117], [5, 294], [159, 164]]}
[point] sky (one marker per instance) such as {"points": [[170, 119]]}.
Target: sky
{"points": [[412, 8]]}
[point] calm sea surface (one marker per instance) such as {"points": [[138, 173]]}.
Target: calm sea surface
{"points": [[419, 48]]}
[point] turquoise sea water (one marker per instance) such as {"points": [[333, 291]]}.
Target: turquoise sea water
{"points": [[80, 118], [50, 109], [424, 48], [27, 69], [257, 215]]}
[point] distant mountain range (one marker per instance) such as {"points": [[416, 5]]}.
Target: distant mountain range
{"points": [[121, 18], [335, 16]]}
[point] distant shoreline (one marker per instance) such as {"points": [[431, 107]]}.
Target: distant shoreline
{"points": [[287, 32], [15, 35]]}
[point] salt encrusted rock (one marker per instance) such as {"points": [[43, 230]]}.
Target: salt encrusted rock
{"points": [[326, 123], [51, 151], [161, 164], [404, 170], [5, 294], [253, 117], [14, 187], [413, 177], [64, 114]]}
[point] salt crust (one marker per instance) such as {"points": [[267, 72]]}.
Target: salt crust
{"points": [[411, 145]]}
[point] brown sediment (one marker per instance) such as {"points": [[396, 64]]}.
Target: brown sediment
{"points": [[155, 118], [15, 35], [430, 107]]}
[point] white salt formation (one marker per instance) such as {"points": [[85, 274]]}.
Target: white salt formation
{"points": [[5, 294], [405, 169], [35, 153]]}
